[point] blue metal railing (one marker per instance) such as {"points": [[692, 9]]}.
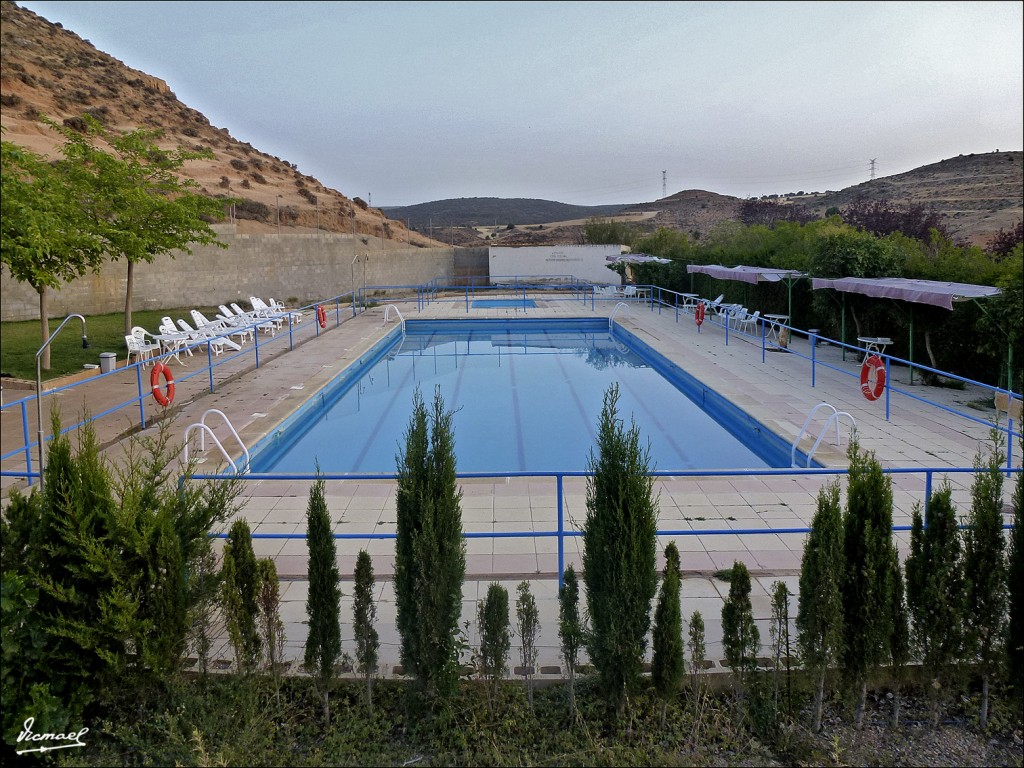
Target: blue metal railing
{"points": [[561, 532], [654, 297], [259, 349]]}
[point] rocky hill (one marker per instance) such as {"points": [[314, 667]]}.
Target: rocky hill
{"points": [[48, 70]]}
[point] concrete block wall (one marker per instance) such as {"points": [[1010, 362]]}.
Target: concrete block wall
{"points": [[298, 268]]}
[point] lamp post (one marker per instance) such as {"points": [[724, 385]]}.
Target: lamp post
{"points": [[39, 386], [279, 214]]}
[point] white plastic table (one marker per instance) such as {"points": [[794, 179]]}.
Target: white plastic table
{"points": [[776, 323], [876, 344]]}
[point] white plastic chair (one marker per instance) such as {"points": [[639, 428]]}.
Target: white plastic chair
{"points": [[142, 349]]}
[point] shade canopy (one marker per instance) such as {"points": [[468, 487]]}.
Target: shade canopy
{"points": [[746, 274], [934, 292]]}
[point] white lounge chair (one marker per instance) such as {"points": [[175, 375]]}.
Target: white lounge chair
{"points": [[215, 343], [280, 308], [221, 327], [262, 309], [239, 315]]}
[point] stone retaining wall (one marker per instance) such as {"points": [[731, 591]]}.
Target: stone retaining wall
{"points": [[293, 268]]}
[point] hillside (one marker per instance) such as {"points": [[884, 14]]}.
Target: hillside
{"points": [[47, 70]]}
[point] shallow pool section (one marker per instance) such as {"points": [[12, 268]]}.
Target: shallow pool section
{"points": [[526, 396]]}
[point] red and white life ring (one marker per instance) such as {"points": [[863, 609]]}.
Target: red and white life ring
{"points": [[159, 395], [698, 313], [321, 316], [872, 377]]}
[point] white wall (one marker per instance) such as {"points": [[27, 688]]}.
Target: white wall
{"points": [[584, 262]]}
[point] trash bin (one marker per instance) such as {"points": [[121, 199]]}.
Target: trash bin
{"points": [[812, 335], [108, 361]]}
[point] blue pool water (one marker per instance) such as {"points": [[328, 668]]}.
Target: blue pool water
{"points": [[526, 396], [498, 303]]}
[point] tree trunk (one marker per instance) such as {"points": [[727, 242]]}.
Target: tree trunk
{"points": [[369, 691], [128, 298], [664, 713], [984, 700], [327, 707], [819, 696], [44, 325], [928, 348], [572, 690], [858, 716], [896, 706]]}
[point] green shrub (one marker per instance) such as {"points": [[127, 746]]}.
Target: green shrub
{"points": [[668, 662], [323, 603], [495, 639]]}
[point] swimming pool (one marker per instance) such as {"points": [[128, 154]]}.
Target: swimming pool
{"points": [[500, 303], [526, 396]]}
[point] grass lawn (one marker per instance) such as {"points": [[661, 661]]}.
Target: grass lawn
{"points": [[20, 341]]}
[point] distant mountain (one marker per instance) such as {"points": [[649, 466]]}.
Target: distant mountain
{"points": [[493, 212]]}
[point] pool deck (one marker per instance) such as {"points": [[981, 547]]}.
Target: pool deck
{"points": [[776, 392]]}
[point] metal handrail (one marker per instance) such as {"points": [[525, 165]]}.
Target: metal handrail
{"points": [[833, 417], [205, 428], [611, 318]]}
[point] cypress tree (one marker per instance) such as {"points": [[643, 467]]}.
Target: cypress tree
{"points": [[364, 619], [867, 536], [934, 585], [619, 554], [698, 653], [240, 578], [495, 639], [819, 618], [985, 569], [323, 603], [779, 632], [570, 629], [899, 640], [667, 665], [741, 640], [1015, 580], [529, 628], [271, 625], [430, 554]]}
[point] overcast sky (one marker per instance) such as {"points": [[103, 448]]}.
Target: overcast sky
{"points": [[579, 102]]}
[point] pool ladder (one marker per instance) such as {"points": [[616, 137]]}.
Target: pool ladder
{"points": [[611, 318], [835, 416], [387, 316], [204, 429]]}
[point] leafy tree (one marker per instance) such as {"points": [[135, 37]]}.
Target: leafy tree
{"points": [[570, 628], [883, 217], [985, 568], [1015, 581], [698, 649], [430, 554], [601, 231], [935, 587], [843, 252], [769, 212], [323, 603], [741, 640], [529, 628], [98, 577], [141, 206], [46, 238], [1003, 243], [867, 538], [365, 615], [819, 618], [668, 662], [495, 637], [240, 579], [619, 553]]}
